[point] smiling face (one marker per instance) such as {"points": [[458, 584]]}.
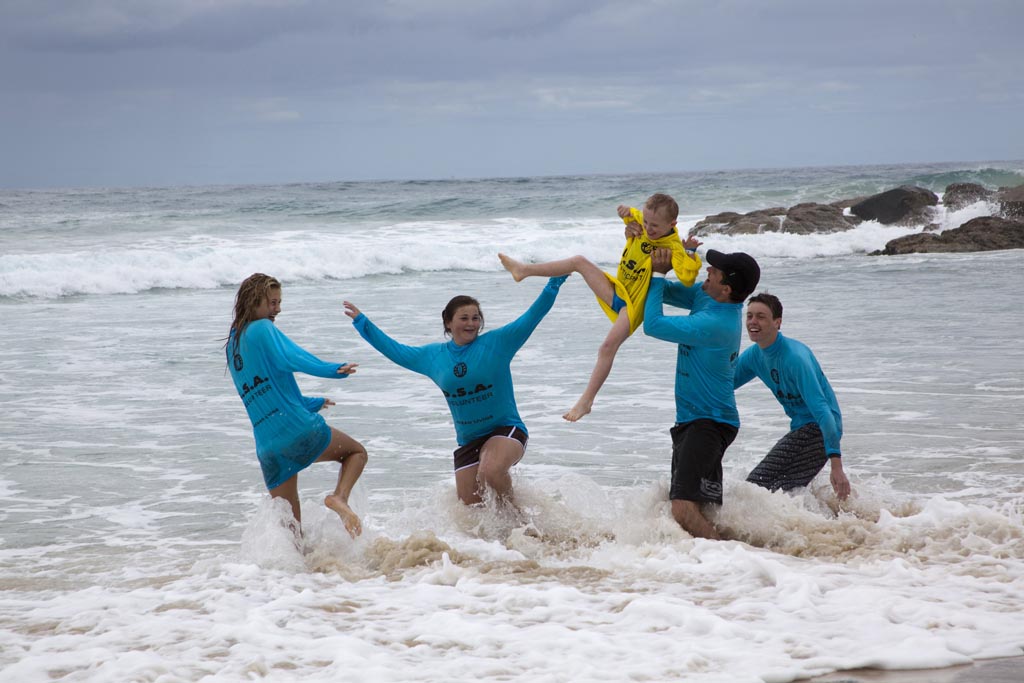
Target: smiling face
{"points": [[657, 223], [762, 328], [465, 324], [713, 286], [269, 305]]}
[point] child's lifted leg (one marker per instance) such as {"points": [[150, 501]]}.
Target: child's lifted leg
{"points": [[604, 290], [622, 297]]}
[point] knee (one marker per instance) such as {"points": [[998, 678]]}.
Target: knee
{"points": [[486, 471], [358, 457], [609, 348], [579, 263]]}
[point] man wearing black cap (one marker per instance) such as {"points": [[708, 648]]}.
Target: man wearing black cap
{"points": [[709, 343]]}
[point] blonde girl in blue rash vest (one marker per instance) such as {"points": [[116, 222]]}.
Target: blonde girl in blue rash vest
{"points": [[622, 297], [290, 433], [472, 370]]}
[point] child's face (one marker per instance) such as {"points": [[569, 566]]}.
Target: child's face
{"points": [[657, 223]]}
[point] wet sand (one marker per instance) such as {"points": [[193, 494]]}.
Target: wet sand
{"points": [[1009, 670]]}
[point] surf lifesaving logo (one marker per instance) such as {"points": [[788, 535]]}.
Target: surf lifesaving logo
{"points": [[460, 369], [238, 362]]}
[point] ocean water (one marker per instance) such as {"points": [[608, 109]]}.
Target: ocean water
{"points": [[137, 542]]}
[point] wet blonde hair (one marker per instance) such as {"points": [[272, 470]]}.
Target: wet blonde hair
{"points": [[253, 290]]}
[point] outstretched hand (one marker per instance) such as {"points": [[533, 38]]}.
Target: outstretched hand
{"points": [[350, 309], [691, 243], [348, 369]]}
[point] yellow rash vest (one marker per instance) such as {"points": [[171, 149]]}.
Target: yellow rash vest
{"points": [[634, 274]]}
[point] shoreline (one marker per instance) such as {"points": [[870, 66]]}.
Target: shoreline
{"points": [[1002, 670]]}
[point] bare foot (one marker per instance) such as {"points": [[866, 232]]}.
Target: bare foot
{"points": [[348, 518], [512, 266], [577, 411]]}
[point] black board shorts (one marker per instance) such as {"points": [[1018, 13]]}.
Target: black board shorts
{"points": [[697, 451], [469, 455]]}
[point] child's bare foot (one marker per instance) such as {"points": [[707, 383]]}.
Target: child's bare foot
{"points": [[577, 411], [348, 518], [512, 266]]}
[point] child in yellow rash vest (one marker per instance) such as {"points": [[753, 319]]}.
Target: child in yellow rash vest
{"points": [[622, 297]]}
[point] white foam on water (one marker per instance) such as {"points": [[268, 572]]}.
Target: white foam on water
{"points": [[598, 585], [137, 541], [345, 252]]}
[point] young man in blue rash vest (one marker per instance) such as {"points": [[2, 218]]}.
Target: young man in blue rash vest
{"points": [[622, 297], [472, 370], [709, 342], [290, 434], [793, 374]]}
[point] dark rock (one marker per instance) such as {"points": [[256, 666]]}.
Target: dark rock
{"points": [[847, 203], [905, 205], [986, 233], [959, 195], [732, 223], [1011, 201], [715, 223], [804, 219]]}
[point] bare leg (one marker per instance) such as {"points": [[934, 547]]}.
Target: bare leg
{"points": [[688, 515], [466, 486], [352, 456], [605, 357], [497, 456], [290, 492], [595, 278]]}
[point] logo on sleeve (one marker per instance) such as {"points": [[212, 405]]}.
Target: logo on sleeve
{"points": [[460, 369], [775, 375], [237, 360]]}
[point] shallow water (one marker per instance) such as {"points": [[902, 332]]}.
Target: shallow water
{"points": [[137, 541]]}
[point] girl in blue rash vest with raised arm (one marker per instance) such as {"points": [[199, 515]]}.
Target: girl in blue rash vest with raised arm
{"points": [[472, 370], [290, 434]]}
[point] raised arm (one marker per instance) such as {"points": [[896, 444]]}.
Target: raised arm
{"points": [[413, 358], [686, 262], [634, 220], [697, 329], [519, 330]]}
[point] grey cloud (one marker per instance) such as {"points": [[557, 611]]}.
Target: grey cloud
{"points": [[305, 71]]}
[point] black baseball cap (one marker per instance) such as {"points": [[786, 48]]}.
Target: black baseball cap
{"points": [[741, 270]]}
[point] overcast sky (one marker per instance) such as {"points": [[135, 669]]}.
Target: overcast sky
{"points": [[192, 92]]}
